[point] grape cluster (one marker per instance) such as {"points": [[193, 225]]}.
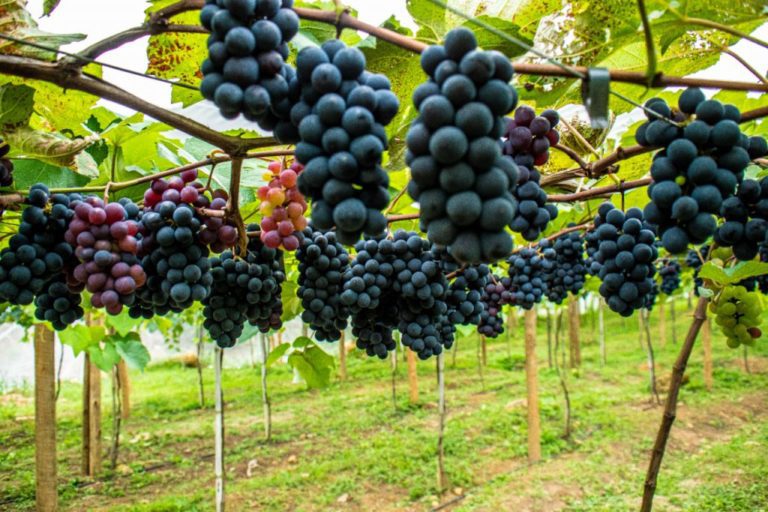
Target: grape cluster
{"points": [[243, 289], [214, 232], [106, 241], [322, 265], [746, 219], [458, 175], [6, 166], [38, 251], [625, 258], [341, 117], [650, 299], [702, 162], [58, 304], [283, 207], [527, 139], [669, 271], [174, 259], [693, 261], [529, 269], [569, 271], [465, 294], [495, 295], [738, 312], [245, 71]]}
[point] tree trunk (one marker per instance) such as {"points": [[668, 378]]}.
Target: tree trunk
{"points": [[267, 407], [706, 342], [662, 325], [670, 407], [46, 491], [531, 380], [342, 357], [218, 426], [91, 419], [125, 389], [441, 480], [574, 324], [413, 379], [601, 323]]}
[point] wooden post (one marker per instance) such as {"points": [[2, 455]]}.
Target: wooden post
{"points": [[200, 388], [413, 379], [218, 427], [706, 342], [46, 492], [662, 325], [393, 364], [651, 359], [601, 322], [574, 324], [91, 457], [673, 316], [549, 338], [531, 380], [441, 481], [342, 357], [267, 407], [125, 389]]}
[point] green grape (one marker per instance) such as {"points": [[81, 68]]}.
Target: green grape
{"points": [[738, 312]]}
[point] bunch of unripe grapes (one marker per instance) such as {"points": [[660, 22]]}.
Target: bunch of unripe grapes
{"points": [[341, 116], [38, 252], [702, 162], [527, 139], [245, 72], [625, 256], [106, 240], [569, 271], [495, 295], [746, 219], [322, 265], [282, 207], [738, 312], [669, 271], [244, 289], [215, 232], [529, 269], [458, 175], [6, 166]]}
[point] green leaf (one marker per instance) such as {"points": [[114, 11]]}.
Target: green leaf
{"points": [[134, 353], [49, 6], [52, 148], [735, 274], [76, 336], [278, 352], [302, 341], [123, 324], [714, 273], [105, 357], [28, 172], [314, 366], [16, 104], [16, 21]]}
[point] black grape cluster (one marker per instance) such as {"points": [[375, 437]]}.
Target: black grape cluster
{"points": [[322, 265], [6, 166], [529, 269], [243, 289], [245, 71], [458, 175], [495, 295], [527, 139], [58, 304], [693, 261], [625, 258], [700, 166], [38, 252], [650, 299], [746, 219], [106, 239], [569, 271], [341, 114], [175, 261], [465, 291], [669, 271]]}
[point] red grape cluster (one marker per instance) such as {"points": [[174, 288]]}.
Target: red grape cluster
{"points": [[106, 239], [531, 134], [283, 207], [216, 232]]}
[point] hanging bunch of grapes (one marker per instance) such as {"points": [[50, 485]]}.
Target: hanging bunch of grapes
{"points": [[283, 207]]}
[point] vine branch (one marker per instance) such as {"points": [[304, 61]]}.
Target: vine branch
{"points": [[598, 191]]}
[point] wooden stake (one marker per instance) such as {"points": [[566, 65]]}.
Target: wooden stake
{"points": [[86, 418], [125, 389], [531, 380], [413, 378], [601, 323], [706, 342], [218, 427], [574, 324], [441, 481], [393, 363], [342, 357], [673, 316], [91, 456], [549, 338], [662, 325], [651, 360], [46, 491], [200, 388], [484, 350], [267, 407]]}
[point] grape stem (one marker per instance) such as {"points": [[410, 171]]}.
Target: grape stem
{"points": [[233, 204], [405, 216], [599, 191]]}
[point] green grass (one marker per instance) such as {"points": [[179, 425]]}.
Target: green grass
{"points": [[351, 440]]}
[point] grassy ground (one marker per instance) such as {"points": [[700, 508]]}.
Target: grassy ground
{"points": [[350, 447]]}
